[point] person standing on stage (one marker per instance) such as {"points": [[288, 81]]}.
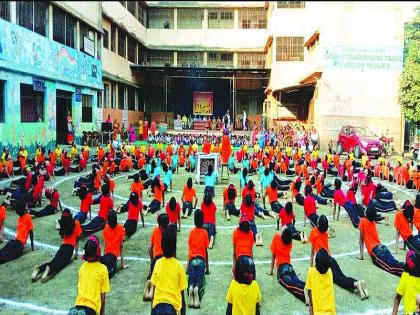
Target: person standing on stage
{"points": [[145, 129], [244, 121], [153, 127], [226, 119]]}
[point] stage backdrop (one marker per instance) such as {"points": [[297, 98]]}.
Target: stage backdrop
{"points": [[203, 103]]}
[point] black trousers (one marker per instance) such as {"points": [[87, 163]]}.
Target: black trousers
{"points": [[382, 258], [95, 225], [413, 243], [48, 210], [11, 251], [299, 199], [130, 227], [61, 259], [313, 219], [289, 280], [231, 208], [110, 261], [294, 231], [276, 206], [187, 208], [340, 278], [154, 206], [353, 213]]}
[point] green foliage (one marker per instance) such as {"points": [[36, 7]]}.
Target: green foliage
{"points": [[409, 93]]}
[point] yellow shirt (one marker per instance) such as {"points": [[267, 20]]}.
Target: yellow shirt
{"points": [[400, 159], [381, 160], [3, 159], [73, 152], [322, 290], [351, 156], [408, 288], [86, 147], [169, 279], [243, 297], [58, 152], [132, 149], [364, 160], [315, 154], [143, 149], [288, 151], [93, 280], [195, 147], [329, 158], [160, 146]]}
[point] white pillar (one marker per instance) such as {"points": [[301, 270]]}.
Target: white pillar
{"points": [[205, 59], [175, 58], [13, 18], [235, 59], [50, 22], [175, 18], [235, 19], [205, 22]]}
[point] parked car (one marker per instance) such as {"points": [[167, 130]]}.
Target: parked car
{"points": [[359, 139]]}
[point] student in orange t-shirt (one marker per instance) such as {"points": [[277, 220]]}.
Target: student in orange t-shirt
{"points": [[113, 235], [70, 232], [380, 254], [155, 251], [173, 209], [135, 208], [229, 197], [14, 248], [319, 239], [3, 216], [242, 240], [272, 194], [281, 247], [198, 260], [403, 222], [136, 187], [188, 196], [86, 202], [158, 196], [416, 217], [208, 207]]}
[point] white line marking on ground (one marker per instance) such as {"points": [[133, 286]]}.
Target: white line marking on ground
{"points": [[30, 306]]}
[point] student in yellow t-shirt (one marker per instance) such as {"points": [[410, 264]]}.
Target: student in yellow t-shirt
{"points": [[168, 278], [244, 294], [319, 284], [409, 286], [93, 282]]}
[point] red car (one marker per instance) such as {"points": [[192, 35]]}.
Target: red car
{"points": [[359, 139]]}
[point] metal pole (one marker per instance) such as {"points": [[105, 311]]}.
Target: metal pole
{"points": [[166, 99], [233, 101]]}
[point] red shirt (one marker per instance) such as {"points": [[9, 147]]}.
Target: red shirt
{"points": [[24, 226], [243, 242], [402, 225], [173, 215], [198, 242], [86, 203], [309, 205], [72, 238], [339, 197], [113, 239], [134, 211], [209, 213], [246, 191], [367, 192], [370, 234], [55, 198], [351, 197], [37, 191], [280, 250], [286, 218], [105, 205], [249, 211], [155, 240], [319, 240]]}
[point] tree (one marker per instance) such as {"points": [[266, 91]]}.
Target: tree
{"points": [[409, 92]]}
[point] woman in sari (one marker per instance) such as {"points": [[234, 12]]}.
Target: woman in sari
{"points": [[131, 134], [146, 130]]}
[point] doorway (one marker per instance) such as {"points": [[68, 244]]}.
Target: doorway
{"points": [[63, 106]]}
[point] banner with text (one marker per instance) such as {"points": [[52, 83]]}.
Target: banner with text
{"points": [[203, 103], [364, 57]]}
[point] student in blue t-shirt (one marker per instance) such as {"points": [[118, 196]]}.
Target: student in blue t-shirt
{"points": [[231, 164], [210, 180], [243, 178], [167, 177], [174, 163]]}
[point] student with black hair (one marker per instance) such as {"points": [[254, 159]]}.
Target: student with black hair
{"points": [[243, 178], [158, 197], [403, 223], [137, 187], [287, 219], [168, 279], [244, 293], [188, 196], [198, 260], [309, 207], [155, 251], [210, 180], [416, 217], [341, 200], [113, 235], [93, 283], [295, 189], [54, 197], [248, 209], [250, 189], [173, 209], [14, 248], [105, 206], [167, 177], [281, 247], [135, 208], [272, 194], [229, 197], [208, 207], [242, 240], [380, 254], [319, 239], [86, 202], [70, 232], [319, 285]]}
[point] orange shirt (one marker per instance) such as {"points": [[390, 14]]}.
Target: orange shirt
{"points": [[319, 240], [3, 214], [243, 242], [272, 194], [158, 194], [9, 167], [113, 239], [24, 225], [226, 198], [416, 219], [189, 194], [198, 242], [72, 239], [155, 240], [295, 192], [280, 250], [111, 185], [370, 234], [137, 187], [402, 225]]}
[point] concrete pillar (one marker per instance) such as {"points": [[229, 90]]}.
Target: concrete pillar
{"points": [[13, 18], [235, 59], [205, 57], [175, 63], [175, 18], [77, 39], [205, 22], [235, 19], [50, 22]]}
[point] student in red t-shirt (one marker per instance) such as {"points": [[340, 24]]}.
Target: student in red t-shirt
{"points": [[137, 187], [380, 254], [105, 206], [319, 239], [135, 207], [198, 260], [341, 200], [229, 197], [35, 193], [287, 220], [173, 209], [70, 232], [188, 196], [248, 209], [86, 202], [281, 247], [158, 196], [403, 223], [54, 197], [272, 194], [3, 216], [208, 207], [155, 251], [242, 240], [113, 235], [14, 248]]}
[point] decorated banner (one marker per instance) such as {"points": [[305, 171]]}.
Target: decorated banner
{"points": [[203, 103]]}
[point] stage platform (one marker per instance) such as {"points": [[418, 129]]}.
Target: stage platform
{"points": [[205, 132]]}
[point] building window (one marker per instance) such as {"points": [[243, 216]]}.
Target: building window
{"points": [[212, 56], [32, 16], [123, 3], [113, 37], [121, 42], [161, 18], [220, 60], [131, 98], [226, 57], [114, 95], [64, 26], [86, 108], [252, 18], [106, 39], [31, 104], [289, 49], [99, 99], [131, 47], [121, 96], [106, 95], [290, 4], [190, 18], [251, 60], [160, 58], [132, 8], [2, 98], [142, 56], [140, 13], [191, 59], [220, 19], [5, 10], [87, 39]]}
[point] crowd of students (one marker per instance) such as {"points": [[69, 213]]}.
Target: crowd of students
{"points": [[282, 173]]}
